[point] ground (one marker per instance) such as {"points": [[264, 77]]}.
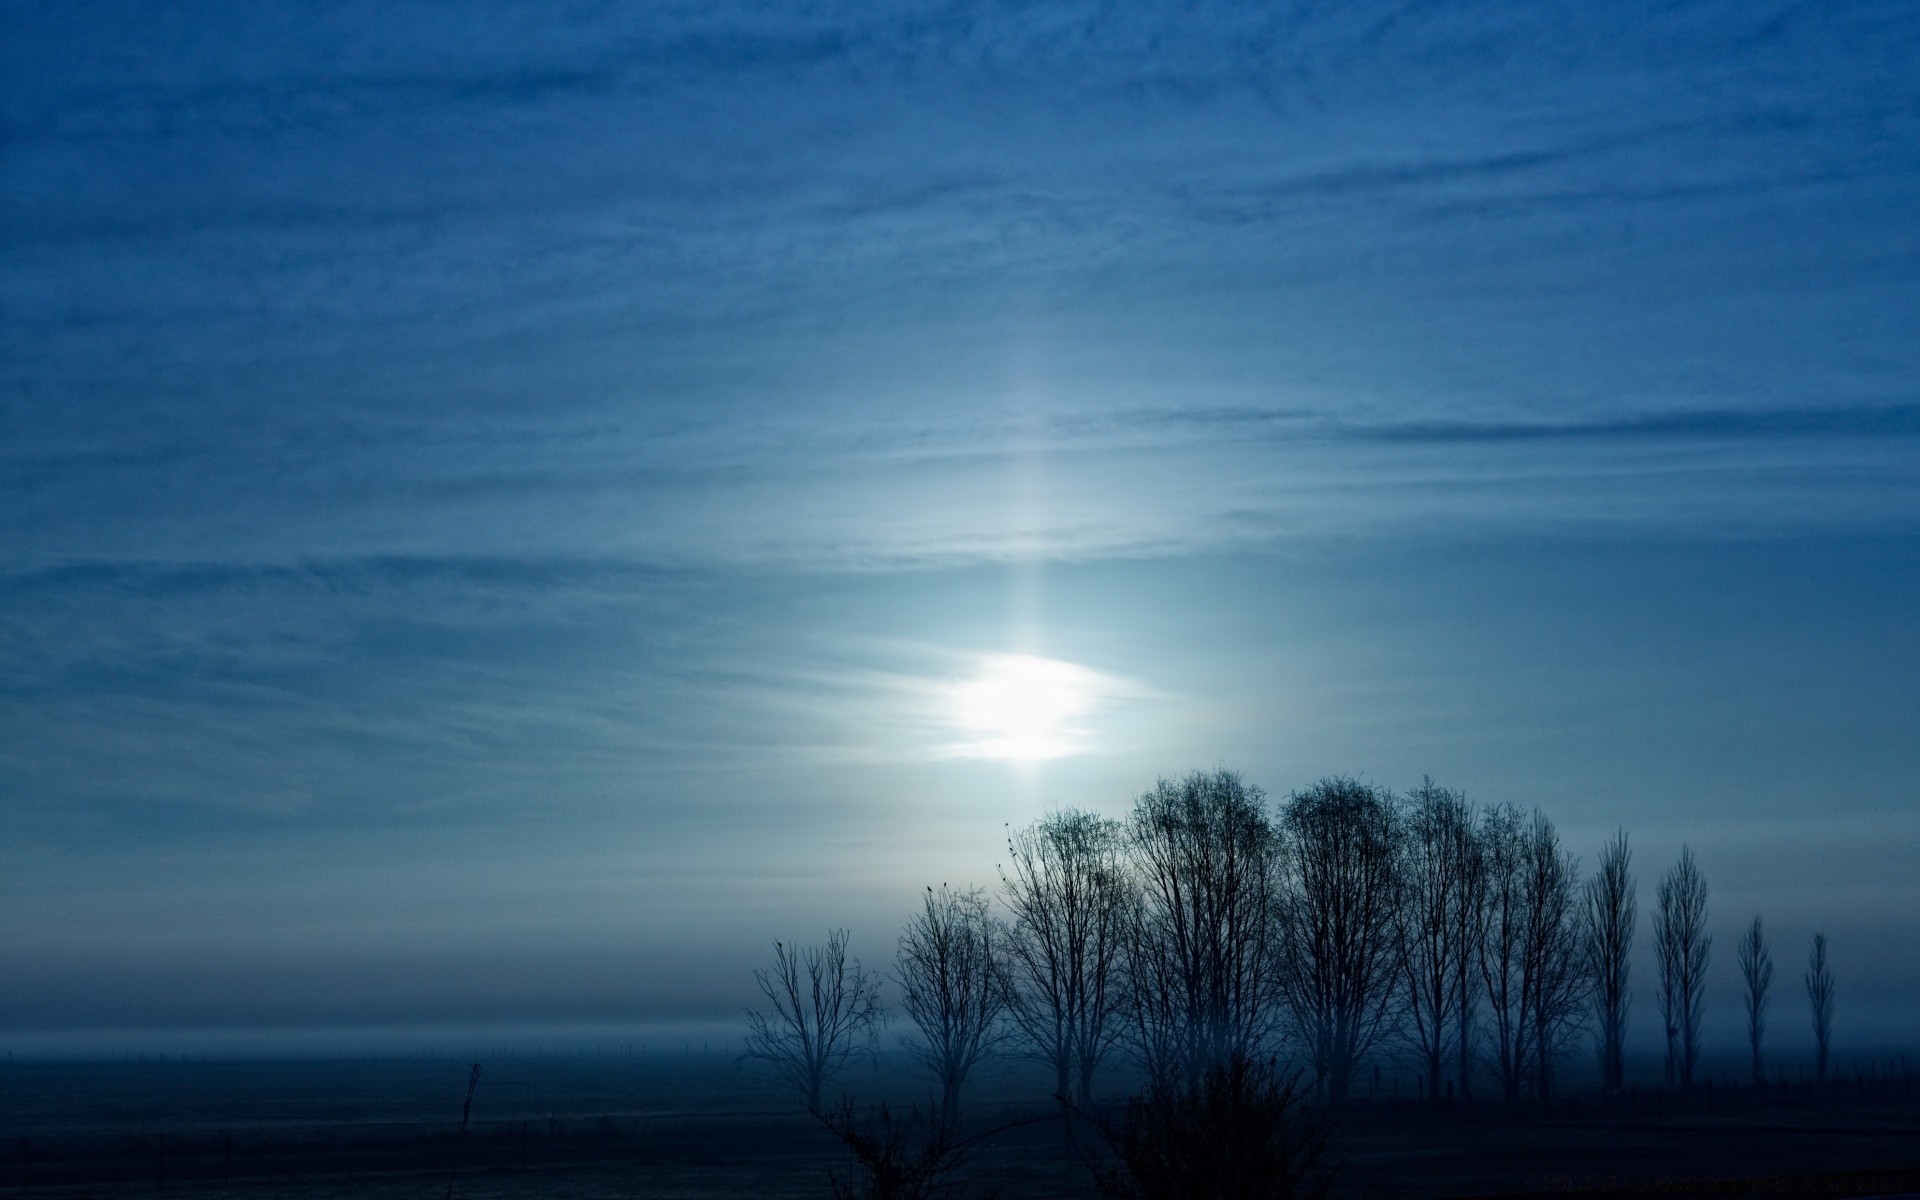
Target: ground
{"points": [[692, 1126]]}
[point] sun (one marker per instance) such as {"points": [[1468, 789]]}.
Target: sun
{"points": [[1023, 708]]}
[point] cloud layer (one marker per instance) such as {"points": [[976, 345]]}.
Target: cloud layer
{"points": [[492, 469], [710, 284]]}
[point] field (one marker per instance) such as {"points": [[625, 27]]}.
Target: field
{"points": [[690, 1126]]}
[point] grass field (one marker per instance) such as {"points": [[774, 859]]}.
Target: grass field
{"points": [[689, 1126]]}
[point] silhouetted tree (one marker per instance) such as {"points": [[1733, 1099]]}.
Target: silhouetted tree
{"points": [[1756, 976], [1503, 945], [1611, 922], [1554, 982], [1681, 944], [1200, 961], [899, 1156], [952, 986], [1340, 955], [1469, 918], [1531, 962], [1236, 1132], [1820, 996], [1339, 949], [826, 1012], [1433, 939], [1066, 891]]}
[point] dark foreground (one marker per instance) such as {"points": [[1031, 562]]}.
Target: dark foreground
{"points": [[688, 1127]]}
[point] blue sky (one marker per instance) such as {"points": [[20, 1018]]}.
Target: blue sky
{"points": [[497, 498]]}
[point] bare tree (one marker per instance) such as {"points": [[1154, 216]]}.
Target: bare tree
{"points": [[1554, 983], [1239, 1132], [952, 987], [1433, 939], [1820, 996], [1340, 957], [1200, 948], [1066, 891], [1611, 922], [1756, 976], [1502, 945], [1681, 944], [825, 1013], [1532, 969], [901, 1156], [1470, 930]]}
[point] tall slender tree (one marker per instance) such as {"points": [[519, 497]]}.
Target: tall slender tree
{"points": [[1339, 953], [1612, 918], [1756, 976], [952, 987], [1503, 945], [1066, 893], [1469, 930], [1554, 980], [1531, 967], [1433, 940], [1820, 997], [1682, 946]]}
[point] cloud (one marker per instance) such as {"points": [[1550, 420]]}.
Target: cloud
{"points": [[373, 693], [1868, 421], [465, 461], [920, 492]]}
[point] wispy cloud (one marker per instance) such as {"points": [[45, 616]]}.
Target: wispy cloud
{"points": [[439, 420], [1869, 421], [979, 488]]}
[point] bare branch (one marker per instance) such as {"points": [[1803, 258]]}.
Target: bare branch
{"points": [[824, 1012], [1555, 983], [1433, 926], [1201, 979], [952, 987], [1339, 951], [1068, 898]]}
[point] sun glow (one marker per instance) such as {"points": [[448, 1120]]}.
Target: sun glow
{"points": [[1022, 708]]}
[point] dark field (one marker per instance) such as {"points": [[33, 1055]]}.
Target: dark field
{"points": [[696, 1127]]}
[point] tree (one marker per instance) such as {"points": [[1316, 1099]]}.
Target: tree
{"points": [[952, 986], [1681, 945], [1820, 996], [1554, 983], [1433, 940], [1531, 941], [1502, 945], [1470, 928], [1340, 958], [1756, 974], [1611, 922], [1237, 1132], [1066, 892], [899, 1156], [826, 1012], [1201, 939]]}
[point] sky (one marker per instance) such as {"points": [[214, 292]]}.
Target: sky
{"points": [[506, 509]]}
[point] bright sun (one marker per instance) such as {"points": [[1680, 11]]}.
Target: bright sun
{"points": [[1022, 708]]}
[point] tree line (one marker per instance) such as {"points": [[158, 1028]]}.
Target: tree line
{"points": [[1211, 929]]}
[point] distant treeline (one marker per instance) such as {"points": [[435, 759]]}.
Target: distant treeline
{"points": [[1212, 927]]}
